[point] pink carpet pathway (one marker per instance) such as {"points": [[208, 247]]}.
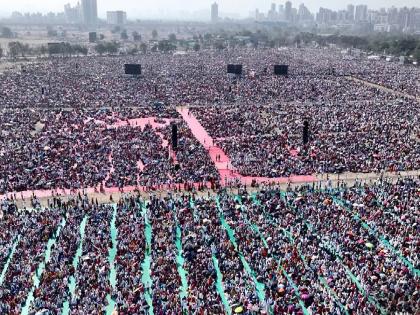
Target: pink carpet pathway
{"points": [[226, 170]]}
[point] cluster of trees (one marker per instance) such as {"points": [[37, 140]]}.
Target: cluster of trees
{"points": [[136, 36], [107, 47], [154, 34], [51, 32], [19, 49], [164, 46], [138, 48], [66, 49], [397, 45], [6, 32]]}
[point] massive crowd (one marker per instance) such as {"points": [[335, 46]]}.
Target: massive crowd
{"points": [[345, 250], [197, 77], [61, 149], [75, 123], [371, 134], [64, 120]]}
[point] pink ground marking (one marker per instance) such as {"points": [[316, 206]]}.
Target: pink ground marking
{"points": [[141, 122], [140, 165], [226, 170], [111, 170], [99, 122], [294, 152]]}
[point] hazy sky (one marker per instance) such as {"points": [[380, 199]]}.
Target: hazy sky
{"points": [[155, 8]]}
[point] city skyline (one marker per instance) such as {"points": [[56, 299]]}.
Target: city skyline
{"points": [[164, 8]]}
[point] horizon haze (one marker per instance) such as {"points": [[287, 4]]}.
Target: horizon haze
{"points": [[163, 9]]}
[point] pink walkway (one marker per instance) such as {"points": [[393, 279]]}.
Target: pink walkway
{"points": [[226, 170]]}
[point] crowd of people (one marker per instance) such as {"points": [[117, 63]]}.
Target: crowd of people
{"points": [[64, 119], [197, 77], [368, 130], [58, 149], [344, 250], [72, 123]]}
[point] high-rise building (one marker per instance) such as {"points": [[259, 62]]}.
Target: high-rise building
{"points": [[350, 12], [288, 11], [341, 15], [281, 12], [303, 13], [273, 7], [272, 14], [72, 14], [116, 17], [361, 13], [90, 12], [326, 16], [214, 12]]}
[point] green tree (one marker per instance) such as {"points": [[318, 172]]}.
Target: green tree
{"points": [[208, 37], [143, 48], [112, 47], [133, 50], [154, 34], [116, 29], [13, 49], [17, 48], [43, 50], [51, 32], [136, 36], [196, 47], [166, 46], [124, 35], [100, 48], [6, 32], [183, 43], [172, 38], [79, 49], [25, 50], [219, 45], [417, 53]]}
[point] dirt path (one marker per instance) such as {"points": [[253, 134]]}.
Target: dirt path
{"points": [[383, 88], [333, 181]]}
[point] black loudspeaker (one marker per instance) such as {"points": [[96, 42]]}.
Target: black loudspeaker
{"points": [[234, 69], [92, 37], [305, 132], [174, 137], [238, 69], [331, 71], [133, 69], [281, 69], [230, 68]]}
